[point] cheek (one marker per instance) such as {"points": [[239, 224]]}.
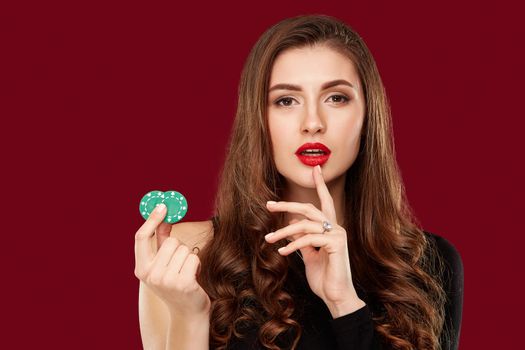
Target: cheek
{"points": [[272, 130], [277, 135], [352, 131], [278, 146]]}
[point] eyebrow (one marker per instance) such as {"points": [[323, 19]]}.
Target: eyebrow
{"points": [[323, 87]]}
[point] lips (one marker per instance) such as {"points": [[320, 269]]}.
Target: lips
{"points": [[316, 145], [313, 159]]}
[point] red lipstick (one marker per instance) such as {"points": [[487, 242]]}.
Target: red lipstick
{"points": [[313, 154]]}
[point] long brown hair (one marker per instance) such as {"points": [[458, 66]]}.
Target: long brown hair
{"points": [[390, 256]]}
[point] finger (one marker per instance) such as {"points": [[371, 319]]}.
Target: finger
{"points": [[165, 253], [327, 202], [297, 235], [302, 227], [191, 266], [306, 250], [178, 258], [310, 240], [306, 209], [144, 252], [162, 232]]}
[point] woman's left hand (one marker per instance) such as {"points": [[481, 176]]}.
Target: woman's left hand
{"points": [[328, 269]]}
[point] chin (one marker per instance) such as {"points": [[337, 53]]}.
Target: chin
{"points": [[301, 178]]}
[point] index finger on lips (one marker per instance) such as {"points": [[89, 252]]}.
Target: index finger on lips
{"points": [[327, 202], [143, 238]]}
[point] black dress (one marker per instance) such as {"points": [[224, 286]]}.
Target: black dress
{"points": [[320, 331]]}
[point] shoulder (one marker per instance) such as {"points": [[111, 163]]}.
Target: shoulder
{"points": [[193, 233], [452, 259], [453, 286], [446, 249]]}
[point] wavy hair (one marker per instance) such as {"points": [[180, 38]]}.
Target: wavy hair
{"points": [[390, 257]]}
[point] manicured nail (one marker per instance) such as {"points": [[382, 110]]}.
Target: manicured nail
{"points": [[269, 235], [271, 202], [160, 208], [280, 250], [319, 168]]}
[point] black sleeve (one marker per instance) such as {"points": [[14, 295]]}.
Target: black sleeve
{"points": [[453, 285], [356, 331]]}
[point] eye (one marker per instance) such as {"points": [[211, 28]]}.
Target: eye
{"points": [[339, 97], [286, 100]]}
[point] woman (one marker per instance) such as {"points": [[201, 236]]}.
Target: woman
{"points": [[357, 271]]}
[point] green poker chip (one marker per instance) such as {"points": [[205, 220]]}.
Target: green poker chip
{"points": [[149, 202], [174, 201], [177, 206]]}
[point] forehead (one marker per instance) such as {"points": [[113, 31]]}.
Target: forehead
{"points": [[318, 63]]}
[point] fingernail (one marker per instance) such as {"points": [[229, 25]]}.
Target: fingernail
{"points": [[160, 208], [269, 235], [271, 202], [319, 168]]}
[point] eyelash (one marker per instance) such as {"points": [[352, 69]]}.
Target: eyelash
{"points": [[346, 99]]}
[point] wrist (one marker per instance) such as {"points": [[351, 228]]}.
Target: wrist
{"points": [[188, 331], [345, 307], [191, 321]]}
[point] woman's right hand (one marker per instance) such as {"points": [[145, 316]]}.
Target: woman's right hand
{"points": [[170, 272]]}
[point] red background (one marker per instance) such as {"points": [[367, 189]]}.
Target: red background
{"points": [[102, 102]]}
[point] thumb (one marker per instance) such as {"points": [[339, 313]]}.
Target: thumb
{"points": [[163, 231]]}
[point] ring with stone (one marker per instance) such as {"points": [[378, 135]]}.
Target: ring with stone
{"points": [[326, 226]]}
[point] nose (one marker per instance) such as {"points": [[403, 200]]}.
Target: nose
{"points": [[312, 122]]}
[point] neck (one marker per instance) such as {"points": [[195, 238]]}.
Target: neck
{"points": [[295, 193]]}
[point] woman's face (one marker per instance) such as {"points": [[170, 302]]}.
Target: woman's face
{"points": [[304, 112]]}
